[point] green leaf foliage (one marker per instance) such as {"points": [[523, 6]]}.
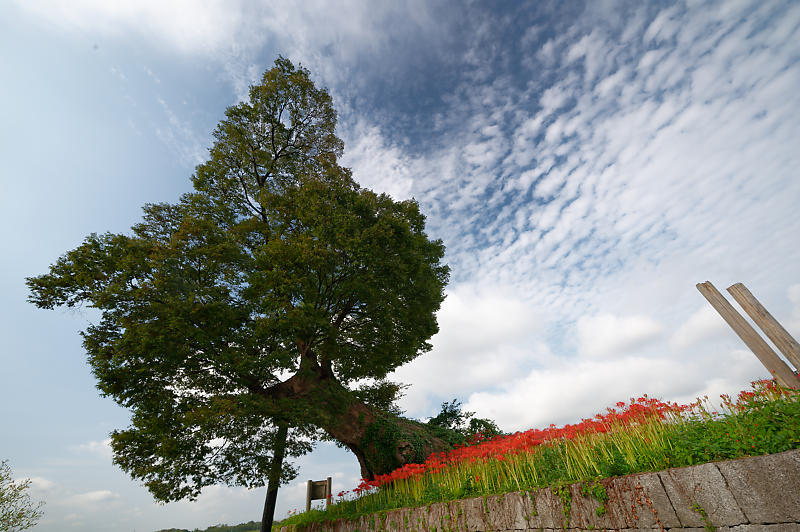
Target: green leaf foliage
{"points": [[17, 510], [277, 265], [458, 427], [252, 526]]}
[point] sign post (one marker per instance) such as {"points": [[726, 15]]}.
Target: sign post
{"points": [[318, 489]]}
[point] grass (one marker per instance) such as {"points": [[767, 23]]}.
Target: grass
{"points": [[252, 526], [642, 435]]}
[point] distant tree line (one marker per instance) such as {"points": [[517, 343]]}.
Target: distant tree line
{"points": [[251, 526]]}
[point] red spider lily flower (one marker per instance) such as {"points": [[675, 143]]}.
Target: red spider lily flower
{"points": [[483, 450]]}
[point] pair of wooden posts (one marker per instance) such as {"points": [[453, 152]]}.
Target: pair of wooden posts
{"points": [[318, 489], [787, 345]]}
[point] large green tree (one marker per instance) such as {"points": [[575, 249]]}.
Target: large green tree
{"points": [[277, 293]]}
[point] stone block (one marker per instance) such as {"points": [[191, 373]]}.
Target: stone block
{"points": [[642, 530], [505, 512], [778, 527], [431, 516], [583, 509], [380, 521], [344, 525], [365, 522], [406, 518], [475, 518], [441, 516], [391, 521], [519, 505], [418, 519], [527, 518], [548, 511], [767, 488], [454, 516], [647, 502], [634, 502], [701, 487]]}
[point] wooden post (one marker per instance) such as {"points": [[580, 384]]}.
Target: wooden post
{"points": [[328, 494], [318, 489], [771, 327], [777, 367]]}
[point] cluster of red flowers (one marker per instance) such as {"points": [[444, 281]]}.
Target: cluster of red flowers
{"points": [[499, 447], [763, 389]]}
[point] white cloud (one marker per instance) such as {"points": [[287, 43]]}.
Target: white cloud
{"points": [[218, 497], [569, 390], [484, 338], [703, 324], [606, 335], [327, 38], [92, 499], [41, 484], [663, 27], [101, 449], [794, 321], [553, 98], [378, 166], [550, 183], [187, 26], [592, 48], [179, 136]]}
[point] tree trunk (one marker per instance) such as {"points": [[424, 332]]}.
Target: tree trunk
{"points": [[274, 480], [382, 442]]}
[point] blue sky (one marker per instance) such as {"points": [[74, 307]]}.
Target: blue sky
{"points": [[585, 164]]}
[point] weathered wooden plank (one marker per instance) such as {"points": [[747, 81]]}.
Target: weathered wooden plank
{"points": [[767, 323], [318, 489], [777, 367]]}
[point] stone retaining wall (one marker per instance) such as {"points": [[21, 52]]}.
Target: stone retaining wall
{"points": [[753, 494]]}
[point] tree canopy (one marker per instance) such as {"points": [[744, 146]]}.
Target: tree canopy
{"points": [[17, 510], [277, 291], [459, 427]]}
